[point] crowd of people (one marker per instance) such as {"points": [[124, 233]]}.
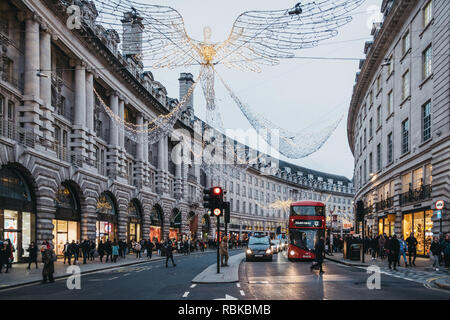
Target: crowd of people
{"points": [[394, 249]]}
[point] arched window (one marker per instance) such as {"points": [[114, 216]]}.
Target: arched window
{"points": [[105, 204], [13, 185]]}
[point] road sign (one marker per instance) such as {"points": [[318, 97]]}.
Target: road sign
{"points": [[440, 204], [438, 214]]}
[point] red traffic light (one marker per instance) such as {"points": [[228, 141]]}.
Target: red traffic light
{"points": [[217, 190]]}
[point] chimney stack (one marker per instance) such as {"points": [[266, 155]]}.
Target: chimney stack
{"points": [[132, 34], [186, 81]]}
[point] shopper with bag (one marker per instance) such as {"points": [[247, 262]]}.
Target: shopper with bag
{"points": [[48, 258]]}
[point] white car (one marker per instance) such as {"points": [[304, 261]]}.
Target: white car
{"points": [[276, 245]]}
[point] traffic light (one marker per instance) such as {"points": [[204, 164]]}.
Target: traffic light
{"points": [[214, 201], [226, 209], [359, 210]]}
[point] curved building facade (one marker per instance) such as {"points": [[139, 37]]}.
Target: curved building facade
{"points": [[399, 120], [67, 171]]}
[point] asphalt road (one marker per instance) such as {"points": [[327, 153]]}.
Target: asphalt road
{"points": [[277, 280]]}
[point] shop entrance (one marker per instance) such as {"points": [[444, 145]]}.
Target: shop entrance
{"points": [[156, 223], [421, 224], [134, 221], [17, 218], [106, 227]]}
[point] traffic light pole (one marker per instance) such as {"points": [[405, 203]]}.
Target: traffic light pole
{"points": [[218, 244]]}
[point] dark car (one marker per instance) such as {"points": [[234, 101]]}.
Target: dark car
{"points": [[258, 248]]}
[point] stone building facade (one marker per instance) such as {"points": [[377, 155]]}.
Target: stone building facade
{"points": [[67, 170], [399, 121]]}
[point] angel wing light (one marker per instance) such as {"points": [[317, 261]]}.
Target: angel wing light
{"points": [[257, 38]]}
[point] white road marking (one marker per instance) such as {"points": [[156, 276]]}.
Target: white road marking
{"points": [[242, 292], [114, 278], [185, 294], [193, 286], [126, 274]]}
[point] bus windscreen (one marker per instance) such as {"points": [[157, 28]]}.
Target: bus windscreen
{"points": [[307, 211]]}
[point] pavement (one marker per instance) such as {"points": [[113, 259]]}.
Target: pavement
{"points": [[227, 274], [18, 275], [422, 272]]}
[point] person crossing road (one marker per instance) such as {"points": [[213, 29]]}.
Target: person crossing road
{"points": [[169, 254]]}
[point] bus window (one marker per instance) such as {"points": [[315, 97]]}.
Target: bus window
{"points": [[304, 239], [307, 211]]}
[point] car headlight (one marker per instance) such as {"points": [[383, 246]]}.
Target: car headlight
{"points": [[292, 252], [268, 251], [249, 251]]}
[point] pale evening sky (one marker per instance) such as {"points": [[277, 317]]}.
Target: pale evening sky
{"points": [[294, 94]]}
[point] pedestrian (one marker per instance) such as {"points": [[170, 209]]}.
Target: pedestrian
{"points": [[32, 255], [137, 248], [403, 250], [10, 251], [92, 251], [150, 246], [48, 258], [74, 251], [114, 252], [412, 248], [101, 250], [4, 257], [446, 250], [319, 251], [394, 251], [381, 246], [374, 247], [224, 251], [67, 252], [108, 250], [169, 254], [86, 247], [435, 252]]}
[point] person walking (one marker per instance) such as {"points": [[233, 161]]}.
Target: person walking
{"points": [[32, 255], [412, 248], [381, 244], [10, 250], [446, 250], [108, 250], [114, 252], [150, 246], [137, 248], [86, 247], [91, 250], [101, 250], [48, 258], [169, 254], [4, 257], [403, 250], [67, 252], [394, 251], [435, 252], [74, 251], [224, 251], [319, 251]]}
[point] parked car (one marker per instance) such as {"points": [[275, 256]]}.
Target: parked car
{"points": [[258, 248]]}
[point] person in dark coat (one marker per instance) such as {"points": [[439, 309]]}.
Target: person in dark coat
{"points": [[394, 251], [86, 247], [169, 254], [48, 258], [4, 257], [32, 255], [412, 248], [73, 250], [101, 250], [92, 250], [150, 246], [319, 251], [108, 250]]}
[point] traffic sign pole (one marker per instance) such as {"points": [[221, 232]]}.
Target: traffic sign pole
{"points": [[218, 244]]}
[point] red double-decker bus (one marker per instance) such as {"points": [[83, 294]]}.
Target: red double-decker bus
{"points": [[306, 225]]}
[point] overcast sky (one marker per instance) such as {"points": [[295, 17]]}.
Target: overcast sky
{"points": [[295, 94]]}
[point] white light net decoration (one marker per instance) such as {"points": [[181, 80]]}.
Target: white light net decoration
{"points": [[257, 38]]}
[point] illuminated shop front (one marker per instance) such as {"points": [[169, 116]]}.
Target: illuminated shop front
{"points": [[175, 225], [156, 223], [66, 225], [206, 225], [386, 225], [420, 223], [17, 213], [106, 228], [134, 225]]}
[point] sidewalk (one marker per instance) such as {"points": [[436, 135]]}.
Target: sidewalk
{"points": [[226, 275], [19, 275], [422, 272]]}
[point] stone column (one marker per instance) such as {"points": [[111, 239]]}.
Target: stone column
{"points": [[45, 86], [79, 128], [30, 111], [159, 179], [121, 115], [90, 101], [113, 147], [140, 145]]}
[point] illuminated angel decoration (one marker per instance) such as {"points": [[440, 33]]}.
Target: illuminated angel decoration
{"points": [[257, 38]]}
